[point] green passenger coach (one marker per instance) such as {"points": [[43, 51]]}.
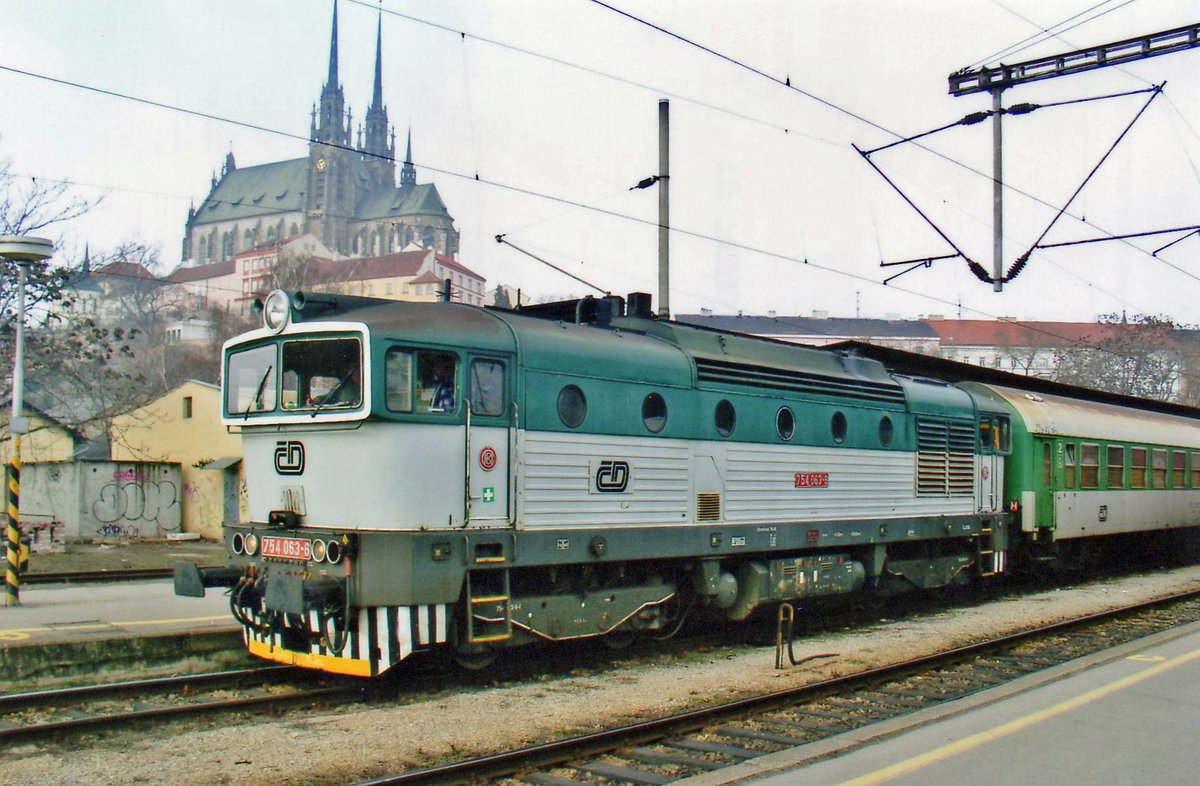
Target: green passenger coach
{"points": [[1087, 468]]}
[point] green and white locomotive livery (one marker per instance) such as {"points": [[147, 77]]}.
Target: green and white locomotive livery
{"points": [[441, 474]]}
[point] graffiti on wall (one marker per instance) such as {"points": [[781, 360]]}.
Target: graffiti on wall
{"points": [[136, 503], [106, 499]]}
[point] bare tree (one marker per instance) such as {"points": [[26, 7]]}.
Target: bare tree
{"points": [[1138, 357], [29, 206]]}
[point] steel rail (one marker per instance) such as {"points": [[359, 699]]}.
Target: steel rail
{"points": [[574, 748], [15, 702]]}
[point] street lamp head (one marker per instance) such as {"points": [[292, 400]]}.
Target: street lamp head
{"points": [[22, 249]]}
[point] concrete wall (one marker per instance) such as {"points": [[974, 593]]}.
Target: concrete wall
{"points": [[183, 427], [116, 500]]}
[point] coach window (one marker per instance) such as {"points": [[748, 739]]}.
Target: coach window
{"points": [[837, 426], [785, 424], [572, 406], [1116, 466], [1137, 468], [1069, 465], [1089, 466], [654, 413], [1195, 470], [1047, 465], [487, 388], [1160, 469], [1179, 469]]}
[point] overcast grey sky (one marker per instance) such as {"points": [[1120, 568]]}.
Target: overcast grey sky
{"points": [[559, 98]]}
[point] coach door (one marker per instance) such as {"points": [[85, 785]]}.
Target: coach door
{"points": [[489, 441]]}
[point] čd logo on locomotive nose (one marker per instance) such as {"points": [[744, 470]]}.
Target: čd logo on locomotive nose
{"points": [[612, 476], [289, 457]]}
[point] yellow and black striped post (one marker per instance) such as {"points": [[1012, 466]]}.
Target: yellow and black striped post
{"points": [[12, 582]]}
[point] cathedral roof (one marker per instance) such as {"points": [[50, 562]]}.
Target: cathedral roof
{"points": [[253, 191], [415, 200]]}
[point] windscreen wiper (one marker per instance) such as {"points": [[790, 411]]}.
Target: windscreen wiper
{"points": [[262, 386]]}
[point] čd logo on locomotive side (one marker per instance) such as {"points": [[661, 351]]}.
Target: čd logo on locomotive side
{"points": [[289, 457], [612, 476]]}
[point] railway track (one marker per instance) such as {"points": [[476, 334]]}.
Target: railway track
{"points": [[43, 715], [672, 748]]}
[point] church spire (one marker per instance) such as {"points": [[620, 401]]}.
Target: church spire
{"points": [[333, 51], [333, 55], [329, 127], [377, 95], [377, 151], [408, 174]]}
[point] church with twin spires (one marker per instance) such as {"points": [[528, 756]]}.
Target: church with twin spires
{"points": [[344, 192]]}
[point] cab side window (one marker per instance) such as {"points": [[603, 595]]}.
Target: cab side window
{"points": [[437, 382], [398, 380], [420, 381], [487, 388]]}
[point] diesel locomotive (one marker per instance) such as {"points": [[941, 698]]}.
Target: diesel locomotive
{"points": [[425, 475]]}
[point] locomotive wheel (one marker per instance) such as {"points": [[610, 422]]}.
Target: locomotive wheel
{"points": [[476, 661]]}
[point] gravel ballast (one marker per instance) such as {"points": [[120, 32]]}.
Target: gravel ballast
{"points": [[354, 744]]}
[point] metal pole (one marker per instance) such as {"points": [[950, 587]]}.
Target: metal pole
{"points": [[12, 558], [12, 581], [664, 212], [997, 193]]}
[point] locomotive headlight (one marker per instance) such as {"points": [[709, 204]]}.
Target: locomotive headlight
{"points": [[318, 551], [277, 310], [236, 543], [250, 544], [334, 552]]}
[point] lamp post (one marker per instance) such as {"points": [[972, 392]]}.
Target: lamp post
{"points": [[22, 251]]}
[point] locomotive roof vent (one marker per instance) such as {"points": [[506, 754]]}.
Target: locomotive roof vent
{"points": [[639, 305], [608, 307]]}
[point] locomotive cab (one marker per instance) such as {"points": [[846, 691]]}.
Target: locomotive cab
{"points": [[356, 428]]}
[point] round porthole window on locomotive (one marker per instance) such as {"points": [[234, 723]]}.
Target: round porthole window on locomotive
{"points": [[572, 406], [886, 431], [654, 413], [838, 427], [726, 418], [785, 424]]}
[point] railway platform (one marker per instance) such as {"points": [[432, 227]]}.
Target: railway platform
{"points": [[60, 630], [1126, 715]]}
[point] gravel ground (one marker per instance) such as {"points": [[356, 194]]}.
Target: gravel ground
{"points": [[354, 744]]}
